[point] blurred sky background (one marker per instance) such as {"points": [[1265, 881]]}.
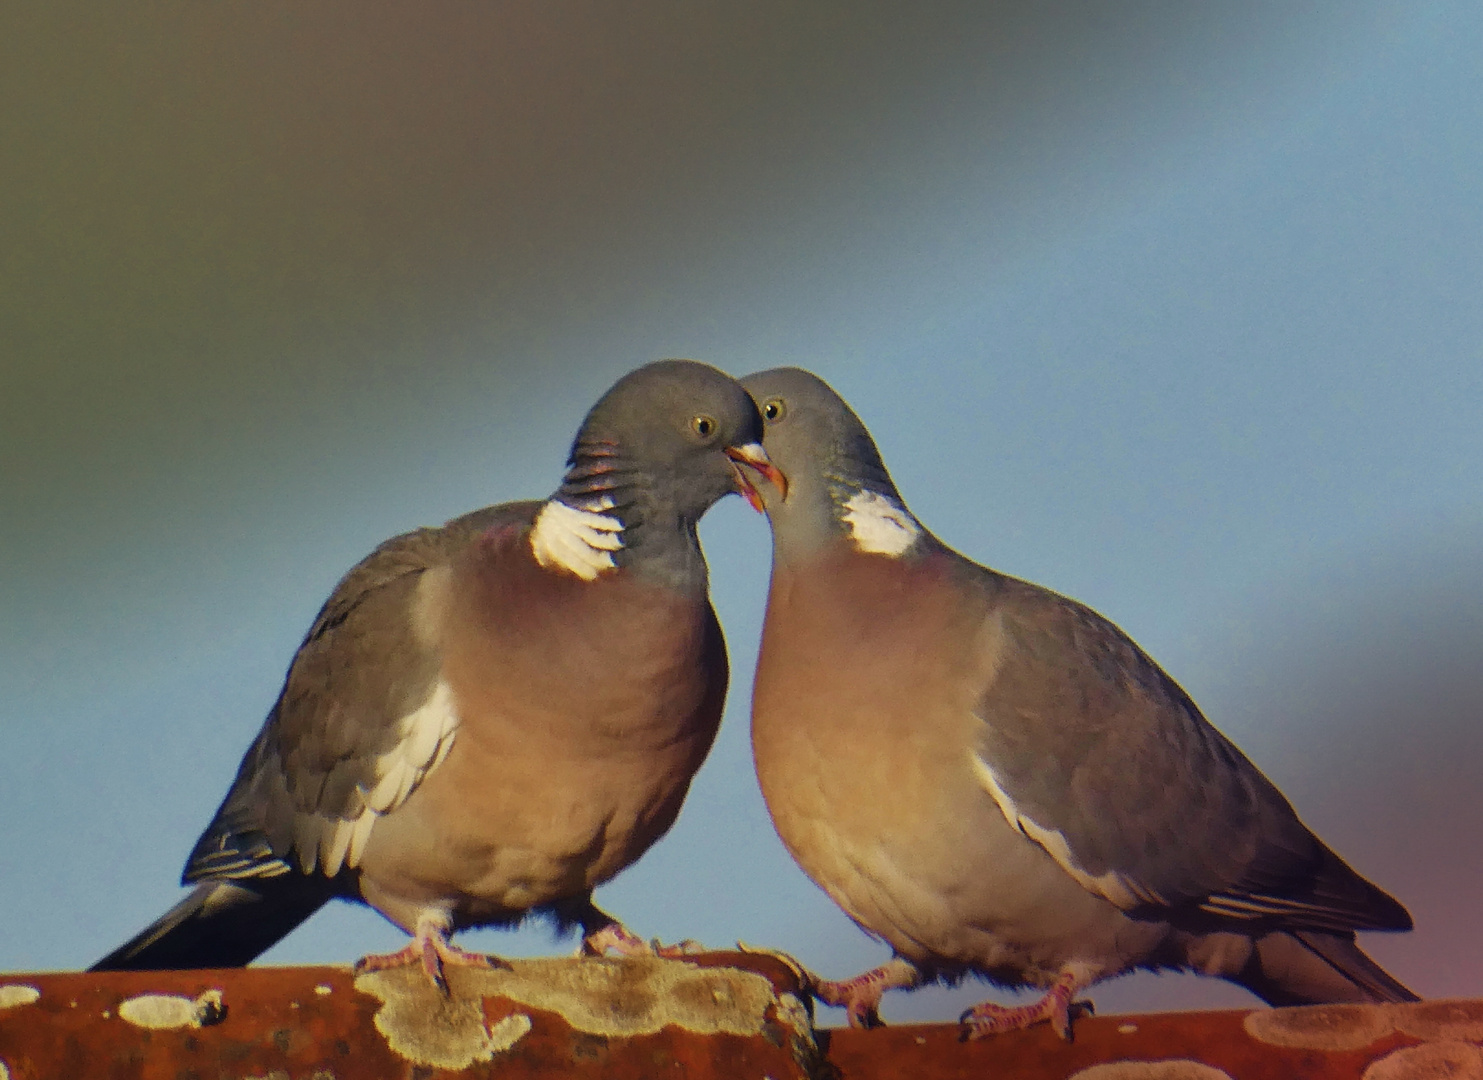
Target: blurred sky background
{"points": [[1175, 308]]}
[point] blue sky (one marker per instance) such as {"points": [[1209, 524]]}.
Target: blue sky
{"points": [[1179, 313]]}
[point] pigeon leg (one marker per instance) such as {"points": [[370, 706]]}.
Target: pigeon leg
{"points": [[614, 935], [986, 1018], [431, 948], [861, 996], [601, 932]]}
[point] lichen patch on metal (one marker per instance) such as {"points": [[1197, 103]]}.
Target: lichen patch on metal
{"points": [[1165, 1069], [13, 994], [639, 995], [162, 1012], [597, 996], [792, 1013], [1320, 1027], [436, 1030], [1428, 1020], [1452, 1059], [509, 1031]]}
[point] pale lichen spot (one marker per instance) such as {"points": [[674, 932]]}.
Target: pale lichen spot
{"points": [[1444, 1019], [1320, 1027], [879, 525], [163, 1012], [1152, 1069], [13, 994], [610, 998], [1452, 1059]]}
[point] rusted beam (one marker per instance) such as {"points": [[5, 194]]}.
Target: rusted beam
{"points": [[718, 1015], [722, 1015], [1335, 1042]]}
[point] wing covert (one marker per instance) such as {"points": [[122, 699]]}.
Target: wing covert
{"points": [[362, 717], [1092, 751]]}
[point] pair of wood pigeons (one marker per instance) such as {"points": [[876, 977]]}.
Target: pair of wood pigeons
{"points": [[493, 717]]}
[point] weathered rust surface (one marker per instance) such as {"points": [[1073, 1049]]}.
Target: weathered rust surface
{"points": [[713, 1015], [1355, 1042], [317, 1024]]}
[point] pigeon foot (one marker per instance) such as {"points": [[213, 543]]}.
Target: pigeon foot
{"points": [[619, 939], [861, 996], [431, 948], [1057, 1006]]}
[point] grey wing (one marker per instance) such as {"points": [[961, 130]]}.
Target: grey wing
{"points": [[362, 717], [1091, 750]]}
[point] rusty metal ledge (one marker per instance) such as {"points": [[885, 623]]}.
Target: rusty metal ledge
{"points": [[713, 1015]]}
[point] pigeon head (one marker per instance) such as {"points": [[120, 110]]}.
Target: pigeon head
{"points": [[654, 454], [837, 484]]}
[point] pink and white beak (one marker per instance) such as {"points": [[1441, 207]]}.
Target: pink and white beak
{"points": [[751, 456]]}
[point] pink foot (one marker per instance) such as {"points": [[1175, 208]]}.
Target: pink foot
{"points": [[986, 1018], [616, 936], [431, 948], [861, 996]]}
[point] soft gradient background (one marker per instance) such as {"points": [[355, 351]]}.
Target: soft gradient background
{"points": [[1174, 308]]}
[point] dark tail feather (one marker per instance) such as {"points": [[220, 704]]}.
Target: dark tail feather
{"points": [[221, 924], [1312, 967], [1350, 960]]}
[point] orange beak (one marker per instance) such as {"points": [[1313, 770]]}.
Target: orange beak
{"points": [[751, 456]]}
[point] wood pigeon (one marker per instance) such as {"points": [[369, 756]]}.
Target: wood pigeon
{"points": [[996, 780], [493, 717]]}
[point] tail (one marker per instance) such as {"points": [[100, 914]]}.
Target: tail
{"points": [[1314, 967], [221, 924]]}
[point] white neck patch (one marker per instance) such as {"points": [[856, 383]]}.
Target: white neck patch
{"points": [[578, 541], [879, 525]]}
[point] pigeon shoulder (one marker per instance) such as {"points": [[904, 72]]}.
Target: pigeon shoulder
{"points": [[362, 717]]}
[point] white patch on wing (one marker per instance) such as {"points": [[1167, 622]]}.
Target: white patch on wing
{"points": [[332, 837], [1123, 891], [1255, 906], [879, 525], [579, 541]]}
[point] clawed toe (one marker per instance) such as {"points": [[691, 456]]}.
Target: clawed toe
{"points": [[618, 938], [987, 1018], [861, 1001], [861, 996], [866, 1017], [688, 947], [431, 949]]}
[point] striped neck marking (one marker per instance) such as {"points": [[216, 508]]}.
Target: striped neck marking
{"points": [[579, 541]]}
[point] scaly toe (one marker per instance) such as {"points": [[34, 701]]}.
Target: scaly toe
{"points": [[619, 939], [861, 1006], [412, 954], [432, 954]]}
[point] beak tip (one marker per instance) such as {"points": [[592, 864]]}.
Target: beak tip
{"points": [[751, 455]]}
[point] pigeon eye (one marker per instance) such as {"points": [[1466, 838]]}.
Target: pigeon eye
{"points": [[703, 426], [774, 410]]}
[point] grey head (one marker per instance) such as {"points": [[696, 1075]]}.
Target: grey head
{"points": [[838, 486], [661, 447]]}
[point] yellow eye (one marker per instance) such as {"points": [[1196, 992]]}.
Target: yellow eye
{"points": [[774, 410], [703, 426]]}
